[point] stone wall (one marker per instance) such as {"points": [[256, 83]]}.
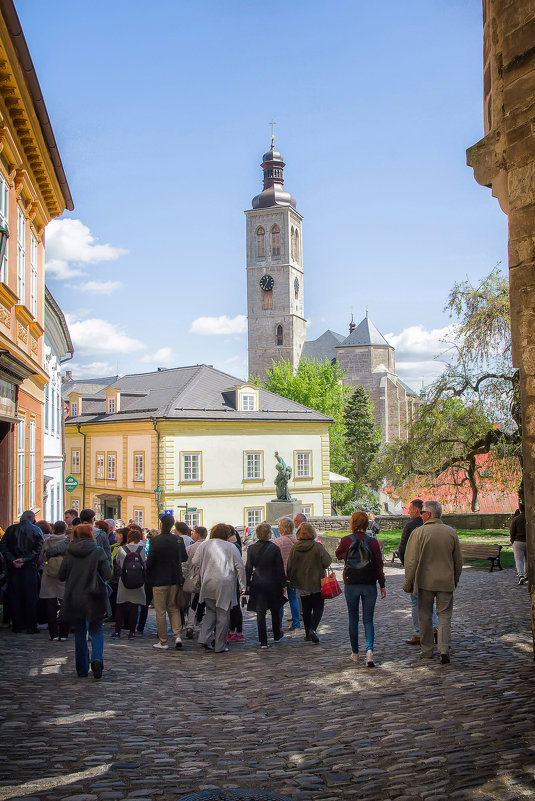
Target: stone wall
{"points": [[473, 522]]}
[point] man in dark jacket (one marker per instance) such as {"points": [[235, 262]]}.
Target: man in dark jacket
{"points": [[416, 520], [100, 537], [21, 547], [164, 571]]}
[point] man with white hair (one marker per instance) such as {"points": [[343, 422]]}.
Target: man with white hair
{"points": [[433, 565]]}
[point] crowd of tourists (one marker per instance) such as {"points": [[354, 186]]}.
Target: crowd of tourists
{"points": [[79, 573]]}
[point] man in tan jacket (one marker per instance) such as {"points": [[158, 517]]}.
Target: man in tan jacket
{"points": [[433, 564]]}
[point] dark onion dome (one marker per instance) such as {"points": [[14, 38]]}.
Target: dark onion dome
{"points": [[273, 193]]}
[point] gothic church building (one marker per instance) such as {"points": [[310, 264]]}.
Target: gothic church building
{"points": [[276, 315]]}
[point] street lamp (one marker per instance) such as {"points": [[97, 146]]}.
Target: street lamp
{"points": [[4, 236], [158, 492]]}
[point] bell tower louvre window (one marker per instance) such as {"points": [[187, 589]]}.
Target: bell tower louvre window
{"points": [[275, 241], [279, 336], [260, 243]]}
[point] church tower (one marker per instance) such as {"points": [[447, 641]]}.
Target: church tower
{"points": [[275, 306]]}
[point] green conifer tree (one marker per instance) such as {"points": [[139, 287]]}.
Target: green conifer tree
{"points": [[362, 438]]}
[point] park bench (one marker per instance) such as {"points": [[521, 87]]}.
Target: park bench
{"points": [[482, 550]]}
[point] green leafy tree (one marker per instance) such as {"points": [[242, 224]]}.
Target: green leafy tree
{"points": [[361, 436]]}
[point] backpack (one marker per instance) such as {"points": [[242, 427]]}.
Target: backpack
{"points": [[52, 565], [133, 570], [360, 565]]}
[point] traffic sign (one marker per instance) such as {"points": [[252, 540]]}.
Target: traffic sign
{"points": [[70, 483]]}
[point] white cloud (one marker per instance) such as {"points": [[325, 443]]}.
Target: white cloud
{"points": [[91, 370], [100, 287], [233, 359], [217, 326], [420, 354], [70, 245], [95, 335], [162, 356]]}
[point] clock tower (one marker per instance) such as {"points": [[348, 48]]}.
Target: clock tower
{"points": [[275, 307]]}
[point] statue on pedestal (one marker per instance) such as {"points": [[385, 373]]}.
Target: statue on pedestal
{"points": [[284, 473]]}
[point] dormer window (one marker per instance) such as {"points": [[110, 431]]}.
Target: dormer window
{"points": [[248, 403], [111, 405], [74, 409]]}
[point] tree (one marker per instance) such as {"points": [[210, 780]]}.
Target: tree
{"points": [[361, 436]]}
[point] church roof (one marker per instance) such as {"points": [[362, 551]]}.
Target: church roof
{"points": [[364, 334], [324, 347]]}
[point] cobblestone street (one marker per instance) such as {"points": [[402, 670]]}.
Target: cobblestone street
{"points": [[298, 719]]}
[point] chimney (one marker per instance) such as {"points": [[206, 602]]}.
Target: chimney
{"points": [[68, 375]]}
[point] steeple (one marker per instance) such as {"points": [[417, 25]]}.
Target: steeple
{"points": [[273, 193]]}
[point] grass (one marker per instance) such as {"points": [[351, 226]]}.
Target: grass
{"points": [[499, 536]]}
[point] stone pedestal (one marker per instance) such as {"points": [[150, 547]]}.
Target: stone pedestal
{"points": [[277, 509]]}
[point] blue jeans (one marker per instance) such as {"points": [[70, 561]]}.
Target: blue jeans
{"points": [[354, 593], [293, 600], [81, 651], [414, 610]]}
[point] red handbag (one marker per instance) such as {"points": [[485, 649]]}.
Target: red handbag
{"points": [[330, 587]]}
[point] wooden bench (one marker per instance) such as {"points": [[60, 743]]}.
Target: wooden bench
{"points": [[482, 550]]}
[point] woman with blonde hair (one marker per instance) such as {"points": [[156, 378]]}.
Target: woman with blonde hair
{"points": [[363, 568], [305, 570], [219, 565]]}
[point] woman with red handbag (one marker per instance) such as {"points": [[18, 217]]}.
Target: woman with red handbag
{"points": [[305, 570], [363, 569]]}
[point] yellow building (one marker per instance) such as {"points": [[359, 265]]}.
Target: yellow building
{"points": [[33, 190], [205, 439]]}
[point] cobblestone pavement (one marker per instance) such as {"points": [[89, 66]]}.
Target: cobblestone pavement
{"points": [[298, 719]]}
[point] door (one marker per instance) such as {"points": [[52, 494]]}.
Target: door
{"points": [[7, 438]]}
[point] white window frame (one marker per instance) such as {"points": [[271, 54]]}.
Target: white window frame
{"points": [[303, 464], [75, 460], [4, 217], [253, 465], [138, 516], [112, 467], [100, 470], [31, 482], [47, 403], [74, 408], [248, 402], [33, 275], [139, 466], [21, 255], [191, 466], [307, 509], [111, 405], [21, 465], [253, 517], [192, 519], [75, 504]]}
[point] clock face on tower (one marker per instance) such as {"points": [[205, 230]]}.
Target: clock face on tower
{"points": [[267, 283]]}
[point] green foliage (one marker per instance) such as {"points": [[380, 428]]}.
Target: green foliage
{"points": [[361, 436], [361, 497]]}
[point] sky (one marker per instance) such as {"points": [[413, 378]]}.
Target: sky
{"points": [[161, 112]]}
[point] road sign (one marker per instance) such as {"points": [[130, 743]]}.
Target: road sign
{"points": [[168, 511], [191, 509], [70, 483]]}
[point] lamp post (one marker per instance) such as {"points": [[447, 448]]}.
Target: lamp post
{"points": [[4, 236], [158, 492]]}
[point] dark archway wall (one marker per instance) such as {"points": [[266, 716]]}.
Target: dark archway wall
{"points": [[504, 160]]}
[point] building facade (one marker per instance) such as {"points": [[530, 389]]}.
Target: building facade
{"points": [[58, 349], [33, 190], [205, 439]]}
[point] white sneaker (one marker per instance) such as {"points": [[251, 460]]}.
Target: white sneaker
{"points": [[354, 657], [178, 643], [160, 647]]}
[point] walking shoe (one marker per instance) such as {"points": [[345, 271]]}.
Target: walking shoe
{"points": [[263, 647], [189, 633], [160, 647], [62, 639], [178, 644], [280, 638], [354, 657], [520, 579], [444, 659], [207, 646], [307, 636], [294, 628], [413, 640], [97, 667], [232, 637], [116, 635], [313, 636], [55, 639], [369, 658], [131, 635]]}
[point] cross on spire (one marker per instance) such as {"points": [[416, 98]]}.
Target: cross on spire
{"points": [[272, 123]]}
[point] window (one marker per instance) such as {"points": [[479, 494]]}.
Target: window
{"points": [[253, 466], [31, 499], [302, 462], [296, 248], [33, 275], [4, 216], [191, 467], [51, 502], [138, 516], [75, 504], [21, 466], [59, 406], [112, 466], [307, 510], [275, 241], [100, 466], [139, 464], [192, 519], [75, 461], [260, 243], [21, 256], [74, 408], [253, 517], [248, 403], [47, 403], [278, 336], [111, 405]]}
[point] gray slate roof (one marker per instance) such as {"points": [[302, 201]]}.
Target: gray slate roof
{"points": [[324, 347], [186, 393], [365, 334]]}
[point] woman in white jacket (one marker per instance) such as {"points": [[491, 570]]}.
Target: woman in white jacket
{"points": [[219, 565]]}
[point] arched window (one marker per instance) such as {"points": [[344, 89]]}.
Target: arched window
{"points": [[279, 336], [292, 241], [260, 243], [275, 241], [296, 248]]}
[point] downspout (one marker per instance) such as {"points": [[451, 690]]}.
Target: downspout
{"points": [[78, 426], [63, 442], [155, 426]]}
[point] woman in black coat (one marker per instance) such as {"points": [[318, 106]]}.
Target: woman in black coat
{"points": [[85, 570], [266, 581]]}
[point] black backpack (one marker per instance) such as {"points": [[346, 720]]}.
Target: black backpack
{"points": [[360, 564], [133, 570]]}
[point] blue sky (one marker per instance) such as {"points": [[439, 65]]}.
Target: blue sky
{"points": [[161, 114]]}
